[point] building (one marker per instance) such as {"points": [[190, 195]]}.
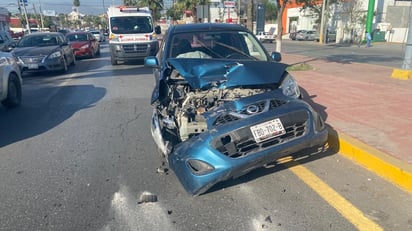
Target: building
{"points": [[390, 23]]}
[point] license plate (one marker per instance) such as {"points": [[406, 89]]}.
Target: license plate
{"points": [[267, 130], [33, 66]]}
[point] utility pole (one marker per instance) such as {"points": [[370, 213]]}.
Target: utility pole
{"points": [[41, 15], [406, 72], [369, 19], [25, 14], [322, 22], [407, 61]]}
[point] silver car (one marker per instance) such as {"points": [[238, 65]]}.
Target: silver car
{"points": [[309, 35], [99, 35], [10, 82]]}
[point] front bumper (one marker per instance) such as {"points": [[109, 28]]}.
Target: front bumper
{"points": [[239, 154], [39, 64], [81, 52], [134, 51]]}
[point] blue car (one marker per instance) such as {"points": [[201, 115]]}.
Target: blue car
{"points": [[222, 106]]}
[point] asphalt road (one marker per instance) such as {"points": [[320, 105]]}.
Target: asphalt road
{"points": [[385, 54], [78, 155]]}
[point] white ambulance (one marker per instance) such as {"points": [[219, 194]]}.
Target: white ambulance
{"points": [[132, 34]]}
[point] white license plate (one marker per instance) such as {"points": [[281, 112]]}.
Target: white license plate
{"points": [[267, 130], [33, 66]]}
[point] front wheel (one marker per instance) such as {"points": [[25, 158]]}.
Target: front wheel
{"points": [[113, 60], [14, 94], [65, 66]]}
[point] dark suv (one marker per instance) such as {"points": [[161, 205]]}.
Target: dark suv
{"points": [[7, 43]]}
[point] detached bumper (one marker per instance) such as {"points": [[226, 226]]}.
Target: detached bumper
{"points": [[230, 150]]}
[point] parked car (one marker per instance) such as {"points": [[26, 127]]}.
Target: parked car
{"points": [[99, 35], [223, 106], [308, 35], [265, 37], [10, 82], [331, 36], [44, 51], [84, 44], [292, 35], [7, 43], [16, 35]]}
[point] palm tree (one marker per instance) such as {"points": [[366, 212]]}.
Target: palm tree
{"points": [[154, 5], [191, 5]]}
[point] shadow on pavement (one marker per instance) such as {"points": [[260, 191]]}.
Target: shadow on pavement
{"points": [[36, 116]]}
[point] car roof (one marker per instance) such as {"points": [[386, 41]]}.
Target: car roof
{"points": [[44, 33], [77, 32], [207, 27]]}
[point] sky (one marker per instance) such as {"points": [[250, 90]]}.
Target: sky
{"points": [[93, 7]]}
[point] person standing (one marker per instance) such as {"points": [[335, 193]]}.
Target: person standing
{"points": [[368, 39], [327, 36]]}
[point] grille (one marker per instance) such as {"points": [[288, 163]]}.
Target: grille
{"points": [[135, 48], [225, 118], [239, 143], [32, 59], [262, 106]]}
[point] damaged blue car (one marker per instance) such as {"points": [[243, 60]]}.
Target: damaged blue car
{"points": [[224, 106]]}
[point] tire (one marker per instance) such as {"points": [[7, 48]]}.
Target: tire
{"points": [[14, 93], [74, 60], [65, 66], [113, 60]]}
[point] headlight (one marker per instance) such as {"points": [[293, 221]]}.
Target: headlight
{"points": [[4, 61], [85, 46], [290, 87], [54, 55]]}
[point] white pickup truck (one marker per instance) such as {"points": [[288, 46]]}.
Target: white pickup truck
{"points": [[265, 37]]}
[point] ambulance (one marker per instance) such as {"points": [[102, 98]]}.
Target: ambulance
{"points": [[132, 34]]}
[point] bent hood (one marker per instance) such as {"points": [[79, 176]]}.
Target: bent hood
{"points": [[35, 51], [206, 73]]}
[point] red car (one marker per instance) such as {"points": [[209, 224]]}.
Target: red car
{"points": [[84, 44]]}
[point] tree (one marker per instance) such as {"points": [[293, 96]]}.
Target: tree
{"points": [[354, 16], [270, 11], [280, 9], [154, 5], [190, 5], [249, 15], [76, 3]]}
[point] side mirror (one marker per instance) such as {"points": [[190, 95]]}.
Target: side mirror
{"points": [[276, 56], [151, 61], [158, 29]]}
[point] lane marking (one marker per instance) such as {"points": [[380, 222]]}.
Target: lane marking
{"points": [[343, 206]]}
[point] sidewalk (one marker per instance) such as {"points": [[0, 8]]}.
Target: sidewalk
{"points": [[370, 112]]}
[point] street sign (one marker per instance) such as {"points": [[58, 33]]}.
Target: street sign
{"points": [[24, 1], [229, 4]]}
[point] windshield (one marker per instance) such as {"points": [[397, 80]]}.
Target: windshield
{"points": [[216, 44], [77, 37], [131, 24], [38, 40]]}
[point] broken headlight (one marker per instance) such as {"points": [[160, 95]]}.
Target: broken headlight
{"points": [[290, 87]]}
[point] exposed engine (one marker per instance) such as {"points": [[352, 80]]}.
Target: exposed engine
{"points": [[182, 111]]}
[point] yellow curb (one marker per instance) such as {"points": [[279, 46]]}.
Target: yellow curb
{"points": [[402, 74], [388, 167]]}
